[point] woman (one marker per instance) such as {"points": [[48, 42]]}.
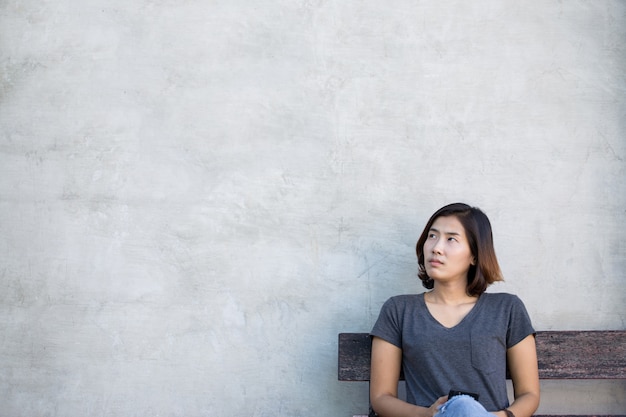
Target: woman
{"points": [[455, 336]]}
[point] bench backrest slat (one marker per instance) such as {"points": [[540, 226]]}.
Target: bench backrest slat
{"points": [[594, 354]]}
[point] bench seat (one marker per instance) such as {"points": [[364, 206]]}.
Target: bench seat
{"points": [[592, 354]]}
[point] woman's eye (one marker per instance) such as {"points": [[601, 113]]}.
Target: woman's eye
{"points": [[431, 236], [452, 239]]}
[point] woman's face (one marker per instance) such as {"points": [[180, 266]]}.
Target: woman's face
{"points": [[447, 255]]}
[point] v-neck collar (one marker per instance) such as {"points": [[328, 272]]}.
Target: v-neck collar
{"points": [[465, 319]]}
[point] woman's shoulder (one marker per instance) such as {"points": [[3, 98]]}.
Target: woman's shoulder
{"points": [[403, 307], [402, 301], [501, 298], [406, 298]]}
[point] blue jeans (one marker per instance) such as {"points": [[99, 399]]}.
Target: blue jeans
{"points": [[462, 406]]}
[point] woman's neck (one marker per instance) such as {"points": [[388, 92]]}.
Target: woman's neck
{"points": [[449, 295]]}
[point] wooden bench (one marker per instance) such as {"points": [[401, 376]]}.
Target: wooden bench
{"points": [[561, 355]]}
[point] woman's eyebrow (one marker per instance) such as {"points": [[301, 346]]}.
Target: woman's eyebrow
{"points": [[432, 229]]}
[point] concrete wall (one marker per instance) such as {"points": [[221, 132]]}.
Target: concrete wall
{"points": [[197, 196]]}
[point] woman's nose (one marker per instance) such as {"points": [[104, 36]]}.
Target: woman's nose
{"points": [[438, 247]]}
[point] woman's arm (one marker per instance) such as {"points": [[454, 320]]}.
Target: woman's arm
{"points": [[385, 373], [522, 360]]}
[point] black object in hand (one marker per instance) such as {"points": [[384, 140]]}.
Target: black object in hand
{"points": [[454, 393]]}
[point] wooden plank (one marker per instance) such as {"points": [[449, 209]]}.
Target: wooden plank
{"points": [[354, 356], [548, 415], [562, 355], [582, 354]]}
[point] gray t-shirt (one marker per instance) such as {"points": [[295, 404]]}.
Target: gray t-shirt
{"points": [[470, 356]]}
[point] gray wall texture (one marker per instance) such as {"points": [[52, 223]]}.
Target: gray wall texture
{"points": [[197, 196]]}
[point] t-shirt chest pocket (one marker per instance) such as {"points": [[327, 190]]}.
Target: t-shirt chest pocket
{"points": [[488, 350]]}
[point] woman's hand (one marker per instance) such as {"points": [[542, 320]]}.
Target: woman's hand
{"points": [[435, 407]]}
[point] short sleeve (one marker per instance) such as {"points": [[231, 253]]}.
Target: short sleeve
{"points": [[388, 326], [520, 325]]}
